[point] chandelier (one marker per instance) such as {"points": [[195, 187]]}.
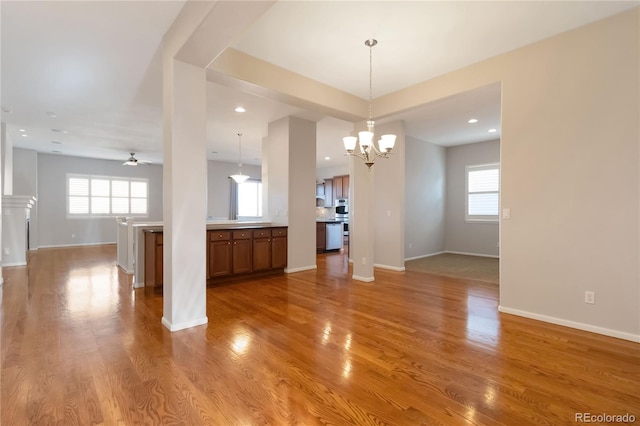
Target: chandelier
{"points": [[368, 151], [239, 178]]}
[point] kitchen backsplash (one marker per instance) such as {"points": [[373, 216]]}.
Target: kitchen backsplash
{"points": [[325, 212]]}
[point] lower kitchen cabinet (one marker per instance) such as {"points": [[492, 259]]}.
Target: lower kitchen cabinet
{"points": [[230, 253], [153, 249], [321, 236], [220, 253], [242, 252], [262, 250], [278, 248], [269, 249]]}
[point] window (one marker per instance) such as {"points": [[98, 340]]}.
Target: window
{"points": [[483, 193], [103, 196], [250, 198]]}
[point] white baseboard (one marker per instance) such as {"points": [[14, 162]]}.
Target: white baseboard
{"points": [[184, 325], [472, 254], [424, 255], [10, 264], [572, 324], [78, 245], [1, 281], [300, 269], [359, 278], [138, 285], [390, 268]]}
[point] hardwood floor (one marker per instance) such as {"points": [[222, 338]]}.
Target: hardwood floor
{"points": [[80, 346]]}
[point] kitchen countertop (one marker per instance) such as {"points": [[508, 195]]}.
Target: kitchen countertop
{"points": [[329, 220], [211, 224]]}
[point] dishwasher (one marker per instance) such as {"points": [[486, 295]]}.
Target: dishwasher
{"points": [[334, 236]]}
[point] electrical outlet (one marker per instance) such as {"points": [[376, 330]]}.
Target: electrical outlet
{"points": [[73, 235], [410, 245], [6, 251], [364, 260], [590, 297]]}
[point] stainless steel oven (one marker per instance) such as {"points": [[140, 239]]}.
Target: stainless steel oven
{"points": [[342, 214]]}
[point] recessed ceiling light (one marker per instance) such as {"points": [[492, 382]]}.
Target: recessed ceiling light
{"points": [[327, 158], [240, 109], [24, 135], [51, 114], [473, 120], [57, 142], [214, 152], [492, 130], [56, 152], [21, 130], [59, 131], [7, 110]]}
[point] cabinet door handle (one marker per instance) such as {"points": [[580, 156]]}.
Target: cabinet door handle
{"points": [[229, 244], [234, 243]]}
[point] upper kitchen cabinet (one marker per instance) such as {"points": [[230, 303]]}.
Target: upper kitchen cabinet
{"points": [[328, 192], [340, 187], [324, 191]]}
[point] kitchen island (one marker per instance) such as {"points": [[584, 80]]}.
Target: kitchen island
{"points": [[268, 244]]}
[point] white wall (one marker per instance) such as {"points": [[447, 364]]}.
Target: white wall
{"points": [[7, 161], [425, 198], [570, 172], [32, 169], [219, 186], [461, 236], [54, 228], [25, 182], [389, 201], [329, 172], [570, 175]]}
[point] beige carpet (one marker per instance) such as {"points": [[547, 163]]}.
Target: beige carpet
{"points": [[459, 266]]}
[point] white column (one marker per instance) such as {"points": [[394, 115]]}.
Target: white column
{"points": [[361, 219], [185, 195], [291, 198], [7, 161], [389, 201]]}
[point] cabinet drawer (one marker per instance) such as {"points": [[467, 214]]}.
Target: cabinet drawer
{"points": [[219, 235], [241, 235], [279, 232], [262, 233]]}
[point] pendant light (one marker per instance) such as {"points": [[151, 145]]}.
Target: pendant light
{"points": [[368, 150], [239, 178]]}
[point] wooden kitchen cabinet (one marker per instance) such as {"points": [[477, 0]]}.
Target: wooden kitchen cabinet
{"points": [[262, 250], [340, 187], [153, 258], [220, 253], [328, 192], [278, 248], [231, 253], [321, 236], [242, 252]]}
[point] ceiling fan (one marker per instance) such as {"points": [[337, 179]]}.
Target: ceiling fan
{"points": [[133, 161]]}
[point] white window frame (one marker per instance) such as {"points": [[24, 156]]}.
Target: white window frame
{"points": [[90, 215], [258, 195], [481, 218]]}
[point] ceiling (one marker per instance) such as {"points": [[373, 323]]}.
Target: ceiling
{"points": [[83, 78]]}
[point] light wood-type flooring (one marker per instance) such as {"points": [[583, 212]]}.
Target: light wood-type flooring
{"points": [[81, 347]]}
